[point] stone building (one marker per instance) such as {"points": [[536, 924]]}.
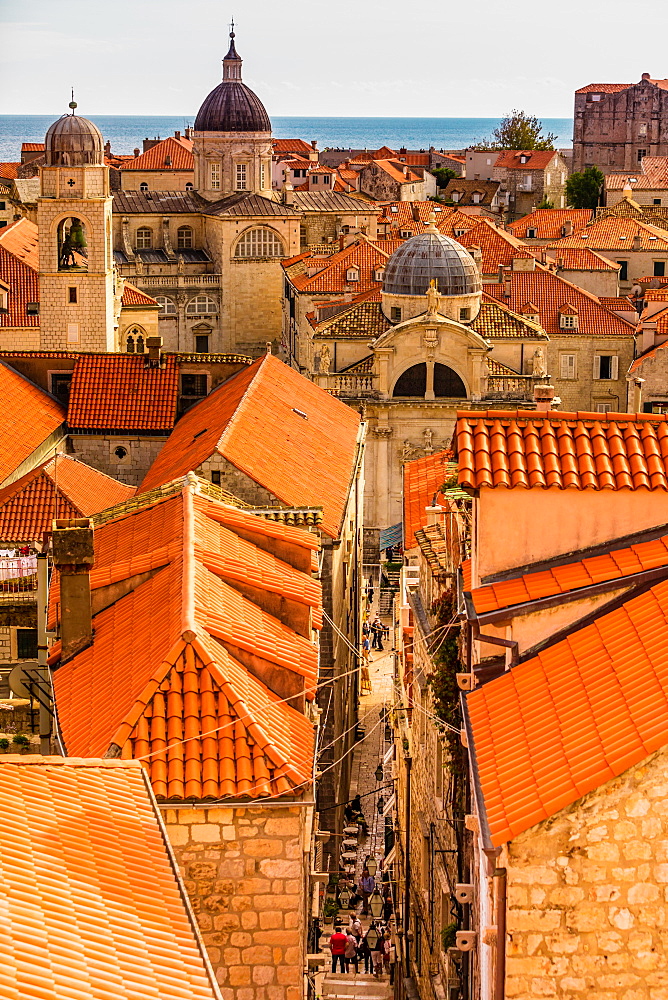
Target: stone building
{"points": [[639, 248], [392, 180], [618, 124], [646, 186], [546, 225], [528, 177]]}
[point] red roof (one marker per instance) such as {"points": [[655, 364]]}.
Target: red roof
{"points": [[548, 222], [423, 479], [29, 417], [582, 259], [280, 429], [291, 146], [565, 450], [135, 297], [578, 714], [61, 487], [332, 274], [32, 147], [119, 392], [9, 170], [534, 159], [178, 151], [192, 650], [618, 234], [21, 238], [91, 890], [603, 88], [23, 284]]}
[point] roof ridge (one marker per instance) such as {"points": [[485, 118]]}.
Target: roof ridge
{"points": [[188, 572]]}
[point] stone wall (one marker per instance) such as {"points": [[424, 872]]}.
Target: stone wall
{"points": [[99, 451], [588, 895], [245, 873], [584, 392]]}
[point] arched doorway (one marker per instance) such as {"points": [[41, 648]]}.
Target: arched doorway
{"points": [[415, 381]]}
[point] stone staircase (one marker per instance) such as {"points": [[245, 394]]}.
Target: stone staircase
{"points": [[355, 986]]}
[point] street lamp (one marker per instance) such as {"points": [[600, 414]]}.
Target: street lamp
{"points": [[379, 773], [376, 904], [344, 897], [381, 805], [371, 865]]}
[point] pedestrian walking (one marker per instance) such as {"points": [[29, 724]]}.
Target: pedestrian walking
{"points": [[364, 953], [377, 629], [351, 951], [355, 926], [338, 943], [386, 947], [367, 885], [376, 949]]}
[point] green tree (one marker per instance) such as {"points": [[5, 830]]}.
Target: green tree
{"points": [[443, 175], [519, 131], [546, 203], [583, 190]]}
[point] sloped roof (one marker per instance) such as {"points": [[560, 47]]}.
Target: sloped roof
{"points": [[583, 451], [179, 151], [603, 88], [91, 893], [652, 173], [496, 322], [291, 146], [583, 259], [332, 201], [548, 222], [652, 353], [363, 319], [29, 417], [61, 487], [119, 392], [21, 239], [181, 655], [133, 296], [467, 187], [364, 255], [496, 245], [423, 479], [580, 713], [255, 421], [562, 578], [9, 170], [395, 170], [618, 234], [536, 159], [23, 284]]}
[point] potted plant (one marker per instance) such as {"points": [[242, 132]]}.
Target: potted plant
{"points": [[21, 741]]}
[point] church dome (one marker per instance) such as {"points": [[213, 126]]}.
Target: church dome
{"points": [[232, 106], [431, 255], [73, 141]]}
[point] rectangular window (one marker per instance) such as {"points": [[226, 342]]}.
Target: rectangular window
{"points": [[3, 223], [641, 154], [72, 333], [567, 366], [241, 176], [656, 201], [395, 314], [214, 176], [262, 176], [32, 308], [60, 386], [623, 270], [3, 206], [201, 343], [26, 643], [569, 322], [193, 385], [606, 366], [603, 407], [659, 268], [464, 315], [72, 296], [215, 477], [642, 129]]}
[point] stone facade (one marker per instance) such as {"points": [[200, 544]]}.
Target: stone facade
{"points": [[526, 189], [588, 895], [615, 130], [126, 458], [584, 388], [245, 870]]}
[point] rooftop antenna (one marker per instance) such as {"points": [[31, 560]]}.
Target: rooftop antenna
{"points": [[73, 103]]}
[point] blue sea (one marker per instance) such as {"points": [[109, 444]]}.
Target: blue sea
{"points": [[126, 132]]}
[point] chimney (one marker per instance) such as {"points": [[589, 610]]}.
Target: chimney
{"points": [[177, 135], [314, 143], [153, 354], [500, 274], [636, 384], [107, 148], [544, 396], [637, 240], [188, 134], [646, 76], [73, 555], [135, 151], [567, 228]]}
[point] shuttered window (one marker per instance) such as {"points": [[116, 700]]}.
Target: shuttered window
{"points": [[606, 366], [567, 366]]}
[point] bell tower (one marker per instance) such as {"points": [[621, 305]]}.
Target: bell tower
{"points": [[76, 264]]}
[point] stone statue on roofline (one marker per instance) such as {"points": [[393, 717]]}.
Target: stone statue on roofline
{"points": [[325, 359], [538, 369], [428, 435], [433, 298]]}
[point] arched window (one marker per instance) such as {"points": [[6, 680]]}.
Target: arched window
{"points": [[201, 305], [143, 188], [413, 382], [134, 343], [259, 243], [72, 245], [189, 186], [144, 238], [167, 306], [184, 238]]}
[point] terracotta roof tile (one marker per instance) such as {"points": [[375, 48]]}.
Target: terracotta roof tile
{"points": [[498, 247], [23, 287], [564, 450], [548, 222], [536, 159], [603, 88], [9, 170], [85, 861], [496, 321], [582, 259], [291, 146], [364, 255], [179, 151], [615, 233], [21, 239], [29, 504], [118, 392], [601, 696], [254, 421], [29, 417], [423, 479], [135, 297], [182, 654], [363, 319]]}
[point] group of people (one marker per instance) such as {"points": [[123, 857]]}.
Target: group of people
{"points": [[373, 634], [353, 947]]}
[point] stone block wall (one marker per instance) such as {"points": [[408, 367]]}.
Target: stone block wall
{"points": [[588, 895], [245, 872], [99, 451]]}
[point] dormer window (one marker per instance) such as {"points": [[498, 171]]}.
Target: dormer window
{"points": [[524, 159], [459, 232], [143, 188], [455, 196], [568, 318], [353, 274], [379, 274], [405, 234], [393, 208], [532, 233]]}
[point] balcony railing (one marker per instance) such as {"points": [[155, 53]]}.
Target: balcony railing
{"points": [[350, 386], [18, 579], [510, 387], [173, 280]]}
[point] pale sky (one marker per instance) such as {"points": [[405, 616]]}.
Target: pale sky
{"points": [[380, 58]]}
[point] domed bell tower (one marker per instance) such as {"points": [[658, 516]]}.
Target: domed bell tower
{"points": [[232, 138], [76, 264]]}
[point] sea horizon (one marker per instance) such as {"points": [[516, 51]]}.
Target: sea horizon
{"points": [[126, 132]]}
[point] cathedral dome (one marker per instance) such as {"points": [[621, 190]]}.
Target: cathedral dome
{"points": [[232, 106], [431, 255], [73, 141]]}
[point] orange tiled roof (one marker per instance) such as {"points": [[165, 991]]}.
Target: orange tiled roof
{"points": [[193, 649], [603, 88], [254, 421], [498, 248], [32, 147], [135, 297], [536, 159], [580, 713], [423, 479], [23, 287], [618, 234], [291, 146], [29, 417], [550, 292], [548, 222], [21, 239], [364, 255], [118, 392], [61, 487], [179, 151], [583, 259], [561, 579], [653, 173], [564, 450], [9, 170], [85, 861], [395, 170]]}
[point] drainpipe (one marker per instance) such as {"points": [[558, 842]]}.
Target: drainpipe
{"points": [[42, 652], [407, 887], [501, 889], [73, 554]]}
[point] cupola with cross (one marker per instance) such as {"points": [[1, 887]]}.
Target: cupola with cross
{"points": [[232, 137], [76, 256]]}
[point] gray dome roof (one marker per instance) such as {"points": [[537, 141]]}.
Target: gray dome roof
{"points": [[73, 141], [232, 106], [431, 255]]}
